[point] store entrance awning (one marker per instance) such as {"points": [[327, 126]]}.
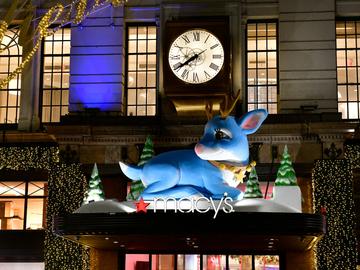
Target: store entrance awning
{"points": [[193, 232]]}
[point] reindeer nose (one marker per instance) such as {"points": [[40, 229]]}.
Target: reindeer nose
{"points": [[199, 148]]}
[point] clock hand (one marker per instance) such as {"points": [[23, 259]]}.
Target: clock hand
{"points": [[192, 58]]}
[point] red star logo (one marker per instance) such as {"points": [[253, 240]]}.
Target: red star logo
{"points": [[141, 206]]}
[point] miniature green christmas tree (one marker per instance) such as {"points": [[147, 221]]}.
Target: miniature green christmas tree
{"points": [[286, 174], [95, 191], [137, 187], [252, 186]]}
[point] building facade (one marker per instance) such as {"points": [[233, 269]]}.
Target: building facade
{"points": [[96, 89]]}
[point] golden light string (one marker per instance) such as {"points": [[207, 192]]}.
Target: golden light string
{"points": [[43, 30], [51, 16]]}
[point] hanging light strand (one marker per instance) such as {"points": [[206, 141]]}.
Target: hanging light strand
{"points": [[43, 30]]}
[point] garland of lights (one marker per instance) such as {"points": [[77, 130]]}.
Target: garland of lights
{"points": [[332, 192], [49, 18], [67, 186], [3, 28]]}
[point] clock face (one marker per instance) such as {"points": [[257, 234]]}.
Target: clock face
{"points": [[196, 56]]}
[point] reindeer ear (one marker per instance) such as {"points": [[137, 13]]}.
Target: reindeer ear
{"points": [[251, 121]]}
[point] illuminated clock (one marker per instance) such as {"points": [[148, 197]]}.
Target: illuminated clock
{"points": [[196, 56]]}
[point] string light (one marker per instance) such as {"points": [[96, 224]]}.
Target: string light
{"points": [[117, 3], [67, 186], [80, 11], [332, 191], [3, 28], [50, 17]]}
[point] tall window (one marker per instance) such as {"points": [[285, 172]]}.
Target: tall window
{"points": [[10, 59], [56, 69], [141, 70], [348, 68], [262, 73], [22, 205]]}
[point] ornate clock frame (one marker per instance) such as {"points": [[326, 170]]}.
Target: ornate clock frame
{"points": [[185, 95]]}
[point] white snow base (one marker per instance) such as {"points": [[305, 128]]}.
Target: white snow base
{"points": [[289, 196]]}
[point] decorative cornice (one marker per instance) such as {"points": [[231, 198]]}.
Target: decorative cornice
{"points": [[187, 140]]}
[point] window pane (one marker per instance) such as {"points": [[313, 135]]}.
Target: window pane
{"points": [[142, 46], [342, 93], [342, 108], [262, 60], [237, 262], [351, 75], [252, 77], [271, 43], [214, 262], [151, 46], [188, 262], [12, 214], [55, 114], [141, 97], [251, 60], [37, 189], [132, 62], [137, 261], [267, 262], [251, 94], [12, 188], [352, 93], [341, 75], [35, 214], [251, 43], [262, 76], [353, 110], [163, 262], [340, 58]]}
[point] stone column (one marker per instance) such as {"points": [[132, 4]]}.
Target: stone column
{"points": [[30, 87]]}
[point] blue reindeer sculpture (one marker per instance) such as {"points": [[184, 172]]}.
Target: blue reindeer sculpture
{"points": [[209, 170]]}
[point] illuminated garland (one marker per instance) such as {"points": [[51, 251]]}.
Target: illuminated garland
{"points": [[332, 192], [49, 18], [3, 28], [67, 185], [352, 153], [80, 11]]}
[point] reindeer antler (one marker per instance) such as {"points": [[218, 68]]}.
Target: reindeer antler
{"points": [[226, 113], [209, 110]]}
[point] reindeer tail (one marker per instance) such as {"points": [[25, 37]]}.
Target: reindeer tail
{"points": [[131, 171]]}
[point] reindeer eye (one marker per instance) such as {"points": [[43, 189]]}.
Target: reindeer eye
{"points": [[220, 135]]}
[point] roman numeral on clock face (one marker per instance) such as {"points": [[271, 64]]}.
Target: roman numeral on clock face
{"points": [[195, 77], [175, 57], [217, 56], [214, 46], [214, 66], [196, 36], [186, 39], [185, 74], [207, 75]]}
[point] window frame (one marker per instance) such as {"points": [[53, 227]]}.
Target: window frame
{"points": [[52, 72], [24, 179], [277, 85], [356, 84], [19, 56], [126, 87]]}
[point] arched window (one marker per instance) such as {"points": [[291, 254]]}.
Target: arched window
{"points": [[10, 59]]}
